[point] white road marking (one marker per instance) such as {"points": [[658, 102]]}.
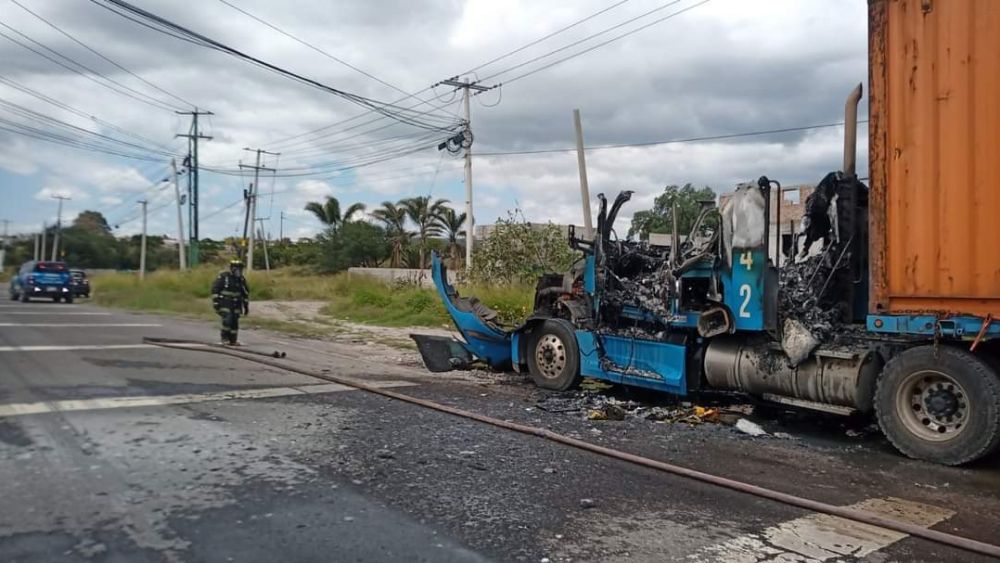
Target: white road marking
{"points": [[70, 347], [821, 537], [54, 312], [78, 325], [20, 409]]}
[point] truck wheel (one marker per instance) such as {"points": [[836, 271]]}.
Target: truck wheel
{"points": [[553, 356], [68, 298], [56, 298], [939, 404], [24, 297]]}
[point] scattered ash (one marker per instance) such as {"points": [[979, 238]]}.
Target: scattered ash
{"points": [[802, 296], [599, 405]]}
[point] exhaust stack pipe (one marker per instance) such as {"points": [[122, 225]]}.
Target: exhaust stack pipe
{"points": [[851, 131]]}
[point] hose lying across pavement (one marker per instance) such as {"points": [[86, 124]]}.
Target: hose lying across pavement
{"points": [[943, 538]]}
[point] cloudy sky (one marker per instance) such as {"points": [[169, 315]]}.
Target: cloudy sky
{"points": [[717, 68]]}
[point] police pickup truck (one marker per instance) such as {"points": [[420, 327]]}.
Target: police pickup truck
{"points": [[40, 279]]}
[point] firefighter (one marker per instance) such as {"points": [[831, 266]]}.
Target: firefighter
{"points": [[231, 298]]}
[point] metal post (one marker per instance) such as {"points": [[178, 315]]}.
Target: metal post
{"points": [[470, 220], [263, 242], [182, 258], [142, 251], [55, 237], [3, 246], [254, 191], [581, 162]]}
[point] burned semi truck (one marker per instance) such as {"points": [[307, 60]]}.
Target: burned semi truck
{"points": [[896, 312]]}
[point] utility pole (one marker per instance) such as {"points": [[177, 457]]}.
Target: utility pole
{"points": [[281, 229], [254, 190], [193, 135], [55, 238], [581, 162], [38, 239], [470, 222], [3, 245], [142, 249], [260, 233], [180, 221], [40, 255]]}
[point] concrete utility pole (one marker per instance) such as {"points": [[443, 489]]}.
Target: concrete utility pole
{"points": [[581, 162], [180, 221], [281, 228], [142, 250], [40, 255], [254, 190], [470, 222], [263, 242], [38, 239], [193, 135], [3, 245], [55, 238]]}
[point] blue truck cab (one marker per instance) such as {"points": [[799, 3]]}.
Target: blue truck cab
{"points": [[42, 280]]}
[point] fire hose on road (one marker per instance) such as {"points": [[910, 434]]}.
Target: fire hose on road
{"points": [[942, 538]]}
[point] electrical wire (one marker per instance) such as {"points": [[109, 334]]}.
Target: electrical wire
{"points": [[101, 55], [672, 141], [416, 119], [121, 88], [593, 47], [311, 46]]}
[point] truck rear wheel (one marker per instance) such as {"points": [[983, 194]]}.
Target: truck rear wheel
{"points": [[940, 404], [554, 356]]}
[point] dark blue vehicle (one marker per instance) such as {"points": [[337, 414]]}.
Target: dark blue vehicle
{"points": [[42, 280]]}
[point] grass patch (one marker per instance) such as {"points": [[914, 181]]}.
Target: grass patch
{"points": [[357, 299]]}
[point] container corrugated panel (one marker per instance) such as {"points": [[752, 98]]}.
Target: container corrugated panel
{"points": [[935, 156]]}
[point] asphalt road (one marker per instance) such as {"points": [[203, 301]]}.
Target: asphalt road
{"points": [[115, 451]]}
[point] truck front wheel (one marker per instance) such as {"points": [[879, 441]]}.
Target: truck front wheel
{"points": [[940, 404], [553, 356]]}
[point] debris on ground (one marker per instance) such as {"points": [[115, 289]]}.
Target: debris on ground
{"points": [[749, 427], [600, 406]]}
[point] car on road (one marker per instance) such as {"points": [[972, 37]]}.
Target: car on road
{"points": [[42, 279], [81, 285]]}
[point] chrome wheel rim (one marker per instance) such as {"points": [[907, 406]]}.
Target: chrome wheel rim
{"points": [[550, 356], [933, 406]]}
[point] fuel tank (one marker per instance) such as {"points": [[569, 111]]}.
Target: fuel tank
{"points": [[841, 377]]}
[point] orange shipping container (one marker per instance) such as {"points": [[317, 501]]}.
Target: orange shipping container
{"points": [[934, 142]]}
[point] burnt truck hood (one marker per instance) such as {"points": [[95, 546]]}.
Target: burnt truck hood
{"points": [[483, 337]]}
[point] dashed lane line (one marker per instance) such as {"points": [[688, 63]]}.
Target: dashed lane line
{"points": [[58, 313], [71, 405]]}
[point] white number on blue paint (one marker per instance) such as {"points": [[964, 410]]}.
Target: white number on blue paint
{"points": [[745, 294]]}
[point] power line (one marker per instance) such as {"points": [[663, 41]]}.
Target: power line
{"points": [[603, 43], [121, 88], [395, 112], [673, 141], [313, 47], [101, 55]]}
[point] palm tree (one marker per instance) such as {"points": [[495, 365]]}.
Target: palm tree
{"points": [[451, 224], [329, 212], [393, 217], [424, 213]]}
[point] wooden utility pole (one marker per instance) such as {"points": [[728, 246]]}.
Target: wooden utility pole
{"points": [[55, 237], [142, 249], [182, 259], [470, 222], [193, 135], [581, 162], [252, 199]]}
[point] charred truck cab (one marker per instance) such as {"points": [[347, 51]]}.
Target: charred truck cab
{"points": [[714, 310]]}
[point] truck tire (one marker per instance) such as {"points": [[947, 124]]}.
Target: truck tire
{"points": [[24, 297], [939, 404], [554, 356], [68, 298]]}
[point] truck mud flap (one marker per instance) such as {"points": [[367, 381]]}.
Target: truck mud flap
{"points": [[442, 353], [484, 338]]}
